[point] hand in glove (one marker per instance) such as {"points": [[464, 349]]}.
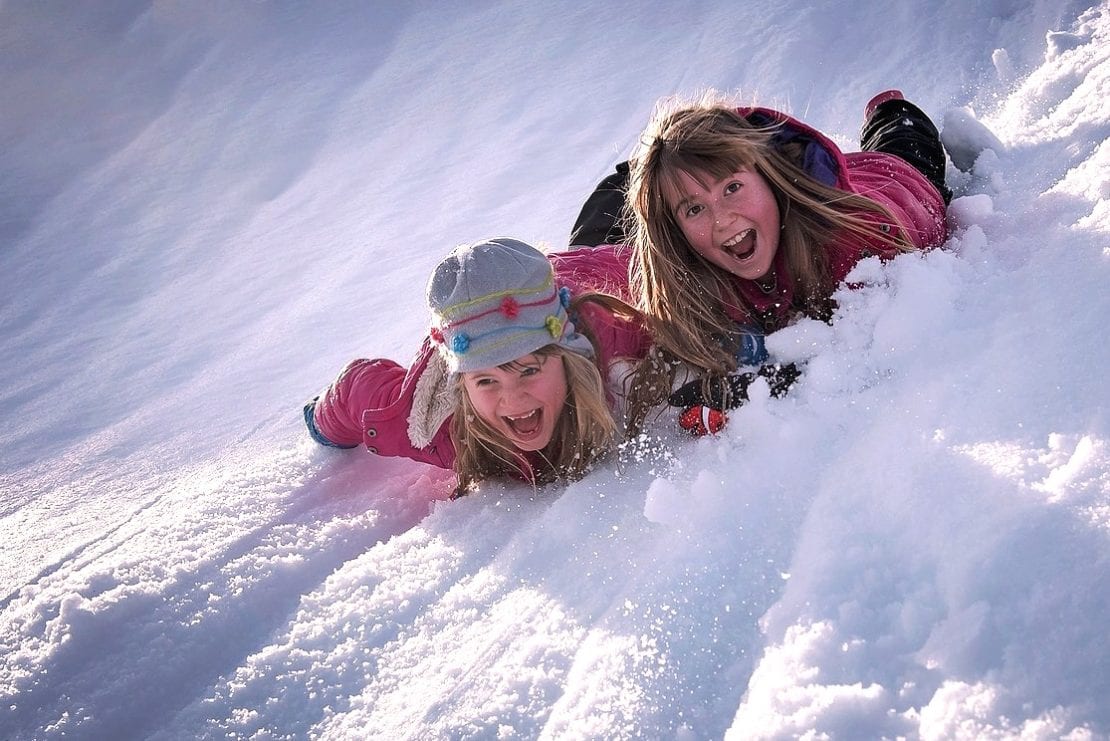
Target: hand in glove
{"points": [[701, 420], [705, 401]]}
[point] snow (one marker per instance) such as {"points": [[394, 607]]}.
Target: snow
{"points": [[207, 209]]}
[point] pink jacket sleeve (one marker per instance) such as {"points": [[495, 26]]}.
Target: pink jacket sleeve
{"points": [[370, 403], [603, 269], [616, 338], [361, 385]]}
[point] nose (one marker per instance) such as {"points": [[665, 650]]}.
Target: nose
{"points": [[722, 218], [722, 215], [512, 395]]}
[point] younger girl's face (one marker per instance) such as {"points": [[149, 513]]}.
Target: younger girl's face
{"points": [[522, 400], [732, 222]]}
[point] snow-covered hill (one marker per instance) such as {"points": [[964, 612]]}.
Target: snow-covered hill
{"points": [[206, 209]]}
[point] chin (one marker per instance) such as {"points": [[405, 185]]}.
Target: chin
{"points": [[755, 272]]}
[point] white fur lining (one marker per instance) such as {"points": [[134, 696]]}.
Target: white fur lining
{"points": [[620, 370], [433, 402]]}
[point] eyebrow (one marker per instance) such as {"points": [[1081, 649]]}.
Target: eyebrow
{"points": [[537, 361], [680, 205], [683, 199]]}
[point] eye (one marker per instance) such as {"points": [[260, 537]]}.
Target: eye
{"points": [[732, 187], [530, 370], [692, 211], [482, 382]]}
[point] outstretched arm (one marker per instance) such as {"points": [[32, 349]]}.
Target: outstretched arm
{"points": [[334, 417], [372, 402]]}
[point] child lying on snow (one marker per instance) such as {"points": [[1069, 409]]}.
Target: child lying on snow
{"points": [[514, 379], [744, 219]]}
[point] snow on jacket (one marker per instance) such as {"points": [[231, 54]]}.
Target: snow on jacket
{"points": [[916, 205], [398, 411]]}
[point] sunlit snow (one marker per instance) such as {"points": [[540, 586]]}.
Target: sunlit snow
{"points": [[206, 209]]}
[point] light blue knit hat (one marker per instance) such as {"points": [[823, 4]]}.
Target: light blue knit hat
{"points": [[497, 300]]}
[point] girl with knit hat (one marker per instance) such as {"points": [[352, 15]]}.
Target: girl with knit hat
{"points": [[744, 219], [516, 378]]}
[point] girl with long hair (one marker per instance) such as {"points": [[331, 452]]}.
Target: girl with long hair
{"points": [[515, 378], [743, 219]]}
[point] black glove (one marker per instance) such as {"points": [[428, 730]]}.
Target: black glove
{"points": [[731, 391]]}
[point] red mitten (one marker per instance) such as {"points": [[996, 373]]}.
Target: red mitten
{"points": [[702, 420]]}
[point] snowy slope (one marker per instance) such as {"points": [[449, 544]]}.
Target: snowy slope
{"points": [[205, 210]]}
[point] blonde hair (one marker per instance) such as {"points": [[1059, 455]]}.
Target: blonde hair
{"points": [[683, 295], [584, 432]]}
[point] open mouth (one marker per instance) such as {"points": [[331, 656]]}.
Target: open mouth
{"points": [[525, 426], [740, 246]]}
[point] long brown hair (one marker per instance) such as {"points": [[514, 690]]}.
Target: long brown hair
{"points": [[683, 295], [585, 432]]}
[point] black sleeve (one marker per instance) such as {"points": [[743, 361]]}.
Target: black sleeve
{"points": [[731, 391], [601, 220]]}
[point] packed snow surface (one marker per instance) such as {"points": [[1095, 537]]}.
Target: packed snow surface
{"points": [[206, 209]]}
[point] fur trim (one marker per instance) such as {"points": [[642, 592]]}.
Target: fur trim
{"points": [[432, 403], [620, 370]]}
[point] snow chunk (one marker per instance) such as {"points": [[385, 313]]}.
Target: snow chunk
{"points": [[1002, 65], [1058, 42], [968, 211], [800, 342], [965, 138], [664, 502]]}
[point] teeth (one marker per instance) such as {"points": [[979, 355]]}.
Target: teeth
{"points": [[519, 417], [736, 239]]}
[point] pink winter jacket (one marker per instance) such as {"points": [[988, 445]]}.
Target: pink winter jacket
{"points": [[371, 401], [915, 203]]}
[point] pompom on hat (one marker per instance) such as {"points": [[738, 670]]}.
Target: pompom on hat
{"points": [[495, 301]]}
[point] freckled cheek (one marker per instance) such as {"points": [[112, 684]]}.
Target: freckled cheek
{"points": [[694, 234], [555, 393], [485, 404], [558, 397], [703, 225]]}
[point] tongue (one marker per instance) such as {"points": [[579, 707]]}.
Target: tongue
{"points": [[527, 425], [746, 246]]}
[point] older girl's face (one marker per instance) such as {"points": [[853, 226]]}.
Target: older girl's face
{"points": [[522, 400], [733, 222]]}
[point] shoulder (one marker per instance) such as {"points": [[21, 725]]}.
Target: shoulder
{"points": [[614, 336], [413, 420], [603, 269]]}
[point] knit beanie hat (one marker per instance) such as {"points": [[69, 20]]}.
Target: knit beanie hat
{"points": [[494, 301]]}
